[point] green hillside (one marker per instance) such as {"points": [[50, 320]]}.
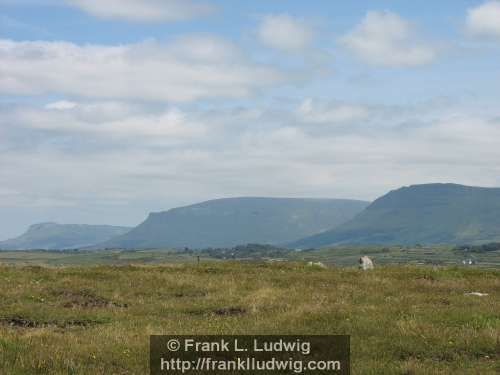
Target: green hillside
{"points": [[53, 236], [235, 221], [427, 214]]}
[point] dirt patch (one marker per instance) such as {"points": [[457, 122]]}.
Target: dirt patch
{"points": [[80, 323], [426, 277], [230, 311], [198, 312], [86, 299], [223, 311], [17, 321], [211, 270], [23, 322]]}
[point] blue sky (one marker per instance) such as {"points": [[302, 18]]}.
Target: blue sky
{"points": [[110, 111]]}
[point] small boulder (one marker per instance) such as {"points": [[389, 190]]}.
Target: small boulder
{"points": [[365, 263]]}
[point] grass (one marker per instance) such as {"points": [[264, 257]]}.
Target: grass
{"points": [[83, 257], [341, 256], [405, 320], [442, 255]]}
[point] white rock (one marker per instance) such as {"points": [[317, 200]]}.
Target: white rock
{"points": [[478, 294], [365, 263]]}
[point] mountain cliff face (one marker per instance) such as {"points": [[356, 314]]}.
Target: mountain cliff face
{"points": [[427, 214], [235, 221], [53, 236]]}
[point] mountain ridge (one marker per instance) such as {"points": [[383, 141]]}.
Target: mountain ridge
{"points": [[227, 222], [55, 236], [440, 213]]}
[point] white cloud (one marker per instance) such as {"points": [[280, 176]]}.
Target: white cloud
{"points": [[284, 32], [385, 38], [61, 105], [335, 114], [143, 10], [111, 120], [200, 49], [205, 67], [484, 19]]}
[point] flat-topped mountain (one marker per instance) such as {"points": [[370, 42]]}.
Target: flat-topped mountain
{"points": [[53, 236], [235, 221], [426, 214]]}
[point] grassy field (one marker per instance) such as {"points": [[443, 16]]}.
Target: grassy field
{"points": [[437, 255], [340, 256], [102, 257], [97, 319]]}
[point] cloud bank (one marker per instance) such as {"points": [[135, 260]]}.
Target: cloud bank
{"points": [[387, 39], [185, 69], [115, 154], [143, 10]]}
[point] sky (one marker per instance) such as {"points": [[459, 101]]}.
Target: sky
{"points": [[113, 109]]}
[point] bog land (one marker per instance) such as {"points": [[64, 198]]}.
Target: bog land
{"points": [[63, 313]]}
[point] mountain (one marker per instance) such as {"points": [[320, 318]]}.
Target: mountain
{"points": [[235, 221], [426, 214], [53, 236]]}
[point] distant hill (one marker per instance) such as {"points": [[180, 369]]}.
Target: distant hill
{"points": [[427, 214], [236, 221], [53, 236]]}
